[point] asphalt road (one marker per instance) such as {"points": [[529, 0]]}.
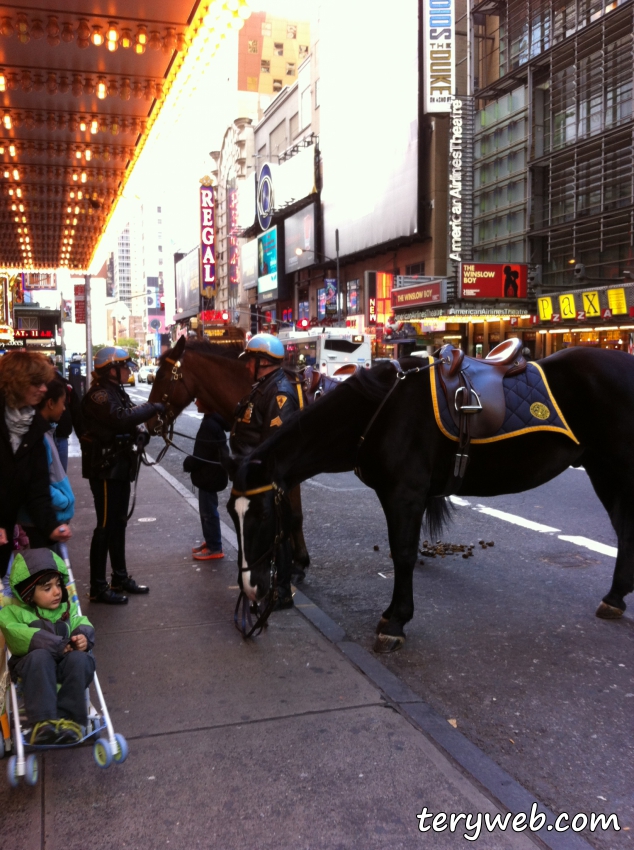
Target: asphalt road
{"points": [[504, 644]]}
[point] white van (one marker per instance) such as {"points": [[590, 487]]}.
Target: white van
{"points": [[332, 351]]}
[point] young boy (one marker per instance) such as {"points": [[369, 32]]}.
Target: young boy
{"points": [[49, 642]]}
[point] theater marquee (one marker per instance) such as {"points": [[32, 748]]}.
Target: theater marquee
{"points": [[416, 296]]}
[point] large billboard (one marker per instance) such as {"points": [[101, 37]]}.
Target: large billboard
{"points": [[368, 134], [493, 280], [267, 265], [249, 264], [188, 282], [439, 36], [299, 234]]}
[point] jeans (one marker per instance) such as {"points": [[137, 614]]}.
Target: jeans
{"points": [[62, 451], [209, 519], [40, 672]]}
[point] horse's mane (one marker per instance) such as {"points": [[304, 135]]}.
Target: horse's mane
{"points": [[375, 382], [230, 350]]}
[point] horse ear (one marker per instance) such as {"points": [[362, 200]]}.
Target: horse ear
{"points": [[179, 347]]}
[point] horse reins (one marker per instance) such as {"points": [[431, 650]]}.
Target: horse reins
{"points": [[400, 376], [252, 607]]}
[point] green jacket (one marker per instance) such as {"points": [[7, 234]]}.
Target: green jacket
{"points": [[27, 627]]}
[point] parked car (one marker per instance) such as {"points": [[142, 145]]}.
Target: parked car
{"points": [[146, 374]]}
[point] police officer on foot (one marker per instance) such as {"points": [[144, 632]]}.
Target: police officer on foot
{"points": [[275, 395], [114, 434]]}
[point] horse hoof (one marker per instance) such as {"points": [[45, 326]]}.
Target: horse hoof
{"points": [[608, 612], [388, 643], [381, 625]]}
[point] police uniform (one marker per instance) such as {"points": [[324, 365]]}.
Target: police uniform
{"points": [[110, 459], [271, 402]]}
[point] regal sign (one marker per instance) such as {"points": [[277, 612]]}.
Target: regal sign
{"points": [[207, 241], [422, 293]]}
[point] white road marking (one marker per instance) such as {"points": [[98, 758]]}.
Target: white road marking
{"points": [[516, 520], [458, 501], [601, 548], [193, 415]]}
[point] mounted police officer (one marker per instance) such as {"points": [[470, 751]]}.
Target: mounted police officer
{"points": [[275, 395], [111, 451]]}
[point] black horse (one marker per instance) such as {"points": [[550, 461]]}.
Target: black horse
{"points": [[406, 459]]}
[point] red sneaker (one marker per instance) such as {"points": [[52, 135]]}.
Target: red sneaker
{"points": [[206, 555], [200, 548]]}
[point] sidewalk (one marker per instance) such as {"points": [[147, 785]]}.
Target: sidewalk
{"points": [[277, 742]]}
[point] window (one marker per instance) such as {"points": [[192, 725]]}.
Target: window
{"points": [[303, 310], [294, 125], [303, 52], [253, 45], [278, 85], [277, 140], [266, 28], [265, 66], [415, 268], [278, 48], [316, 94], [291, 31], [158, 209], [290, 69]]}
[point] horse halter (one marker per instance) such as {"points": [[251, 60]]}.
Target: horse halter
{"points": [[175, 376], [262, 612]]}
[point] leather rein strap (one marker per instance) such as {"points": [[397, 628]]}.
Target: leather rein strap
{"points": [[244, 623]]}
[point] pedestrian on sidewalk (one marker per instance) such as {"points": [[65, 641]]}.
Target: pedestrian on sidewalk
{"points": [[210, 478], [51, 409], [50, 643], [111, 453], [24, 476]]}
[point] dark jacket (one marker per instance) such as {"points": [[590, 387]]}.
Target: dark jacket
{"points": [[269, 405], [111, 421], [71, 419], [211, 444], [24, 482]]}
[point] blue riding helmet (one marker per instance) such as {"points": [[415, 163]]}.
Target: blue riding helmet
{"points": [[264, 345], [111, 356]]}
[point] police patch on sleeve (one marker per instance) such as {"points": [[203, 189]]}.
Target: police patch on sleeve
{"points": [[281, 400], [100, 397], [275, 423]]}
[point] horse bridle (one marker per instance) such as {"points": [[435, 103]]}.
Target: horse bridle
{"points": [[249, 608], [165, 428]]}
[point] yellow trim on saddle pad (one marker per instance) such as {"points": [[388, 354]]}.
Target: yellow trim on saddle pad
{"points": [[537, 413]]}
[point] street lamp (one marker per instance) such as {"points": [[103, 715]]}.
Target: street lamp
{"points": [[300, 251]]}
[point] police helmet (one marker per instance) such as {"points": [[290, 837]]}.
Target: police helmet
{"points": [[111, 356], [265, 345]]}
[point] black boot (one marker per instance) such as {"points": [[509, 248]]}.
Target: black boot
{"points": [[128, 584], [109, 596]]}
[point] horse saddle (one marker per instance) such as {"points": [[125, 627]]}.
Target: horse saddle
{"points": [[474, 388], [315, 383]]}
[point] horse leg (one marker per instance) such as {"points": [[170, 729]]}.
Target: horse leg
{"points": [[403, 525], [616, 494], [301, 557]]}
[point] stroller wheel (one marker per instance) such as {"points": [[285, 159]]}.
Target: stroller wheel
{"points": [[102, 753], [122, 753], [32, 771], [12, 771]]}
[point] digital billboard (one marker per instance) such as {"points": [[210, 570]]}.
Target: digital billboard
{"points": [[299, 232], [188, 282], [249, 264], [493, 280], [267, 265]]}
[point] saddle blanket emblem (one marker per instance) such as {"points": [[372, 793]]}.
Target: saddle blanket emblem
{"points": [[281, 400], [530, 406]]}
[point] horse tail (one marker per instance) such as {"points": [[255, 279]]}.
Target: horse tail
{"points": [[438, 513]]}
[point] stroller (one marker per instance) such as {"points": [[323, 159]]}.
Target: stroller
{"points": [[108, 745]]}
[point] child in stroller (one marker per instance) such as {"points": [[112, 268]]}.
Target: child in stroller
{"points": [[49, 641]]}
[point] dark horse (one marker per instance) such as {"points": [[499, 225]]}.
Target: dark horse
{"points": [[212, 373], [406, 459]]}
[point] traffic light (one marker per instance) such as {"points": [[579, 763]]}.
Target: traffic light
{"points": [[303, 324]]}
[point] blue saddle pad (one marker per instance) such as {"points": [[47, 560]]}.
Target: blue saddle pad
{"points": [[530, 406]]}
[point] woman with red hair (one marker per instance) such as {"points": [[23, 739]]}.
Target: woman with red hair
{"points": [[24, 475]]}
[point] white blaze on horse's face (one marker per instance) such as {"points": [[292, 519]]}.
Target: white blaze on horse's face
{"points": [[241, 507]]}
